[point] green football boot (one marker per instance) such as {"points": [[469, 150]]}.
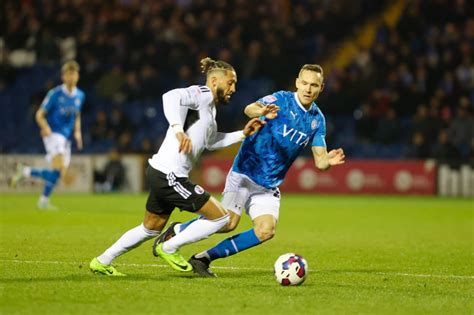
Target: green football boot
{"points": [[107, 270], [175, 260]]}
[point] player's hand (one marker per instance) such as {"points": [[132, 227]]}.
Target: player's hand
{"points": [[336, 157], [270, 111], [253, 126], [45, 132], [185, 145], [78, 138]]}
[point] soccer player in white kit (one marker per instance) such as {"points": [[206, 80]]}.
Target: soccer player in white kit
{"points": [[263, 161], [191, 113], [59, 119]]}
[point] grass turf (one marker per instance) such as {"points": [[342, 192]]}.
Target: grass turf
{"points": [[367, 255]]}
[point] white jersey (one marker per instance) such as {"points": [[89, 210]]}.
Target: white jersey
{"points": [[194, 109]]}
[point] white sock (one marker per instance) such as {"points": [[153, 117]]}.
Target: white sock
{"points": [[196, 231], [128, 241]]}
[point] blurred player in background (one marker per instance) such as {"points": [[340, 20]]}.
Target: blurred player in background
{"points": [[58, 118], [191, 113], [293, 121]]}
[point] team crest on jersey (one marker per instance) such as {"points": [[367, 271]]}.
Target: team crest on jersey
{"points": [[314, 124], [269, 99], [199, 190]]}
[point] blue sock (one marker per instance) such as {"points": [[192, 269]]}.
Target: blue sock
{"points": [[234, 244], [50, 179], [40, 172], [184, 225]]}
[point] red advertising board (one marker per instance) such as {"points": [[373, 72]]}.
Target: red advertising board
{"points": [[353, 177]]}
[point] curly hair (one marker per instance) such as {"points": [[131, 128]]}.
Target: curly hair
{"points": [[209, 65]]}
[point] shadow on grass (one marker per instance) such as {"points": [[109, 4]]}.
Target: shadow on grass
{"points": [[166, 276], [89, 277]]}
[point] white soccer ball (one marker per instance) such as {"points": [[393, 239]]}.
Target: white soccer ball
{"points": [[291, 269]]}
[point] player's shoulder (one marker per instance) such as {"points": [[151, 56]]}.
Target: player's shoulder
{"points": [[55, 90], [318, 112], [201, 92], [199, 89], [275, 97], [284, 94], [80, 93]]}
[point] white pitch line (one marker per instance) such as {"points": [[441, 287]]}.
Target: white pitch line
{"points": [[53, 262]]}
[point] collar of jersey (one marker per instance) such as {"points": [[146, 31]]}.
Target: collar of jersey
{"points": [[64, 89], [301, 105]]}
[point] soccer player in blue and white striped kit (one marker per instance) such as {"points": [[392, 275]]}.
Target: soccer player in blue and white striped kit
{"points": [[263, 161], [59, 118]]}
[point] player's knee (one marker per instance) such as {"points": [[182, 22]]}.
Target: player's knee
{"points": [[230, 226], [222, 222], [265, 232]]}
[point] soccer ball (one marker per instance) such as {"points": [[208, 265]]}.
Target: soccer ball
{"points": [[290, 269]]}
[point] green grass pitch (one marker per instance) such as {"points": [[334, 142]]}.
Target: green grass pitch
{"points": [[367, 255]]}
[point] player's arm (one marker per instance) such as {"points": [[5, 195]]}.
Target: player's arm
{"points": [[258, 109], [46, 105], [44, 127], [222, 140], [77, 131], [324, 160], [172, 102]]}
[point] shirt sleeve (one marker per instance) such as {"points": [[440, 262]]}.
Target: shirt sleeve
{"points": [[267, 100], [192, 97], [222, 140], [49, 101], [83, 99], [319, 139]]}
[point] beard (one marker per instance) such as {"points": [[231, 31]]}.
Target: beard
{"points": [[221, 99]]}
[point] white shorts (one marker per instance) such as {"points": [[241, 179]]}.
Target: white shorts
{"points": [[241, 192], [56, 144]]}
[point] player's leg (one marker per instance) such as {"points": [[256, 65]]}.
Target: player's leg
{"points": [[213, 218], [150, 228], [178, 227], [52, 179], [156, 215], [234, 197], [263, 208], [179, 192], [56, 147]]}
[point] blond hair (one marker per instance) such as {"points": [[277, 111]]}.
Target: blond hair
{"points": [[209, 65], [70, 65], [312, 67]]}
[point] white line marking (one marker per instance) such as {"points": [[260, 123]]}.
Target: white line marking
{"points": [[53, 262]]}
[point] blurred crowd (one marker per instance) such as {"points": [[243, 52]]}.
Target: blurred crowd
{"points": [[414, 85], [139, 48]]}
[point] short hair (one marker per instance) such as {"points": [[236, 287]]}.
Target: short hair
{"points": [[209, 65], [312, 67], [70, 65]]}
